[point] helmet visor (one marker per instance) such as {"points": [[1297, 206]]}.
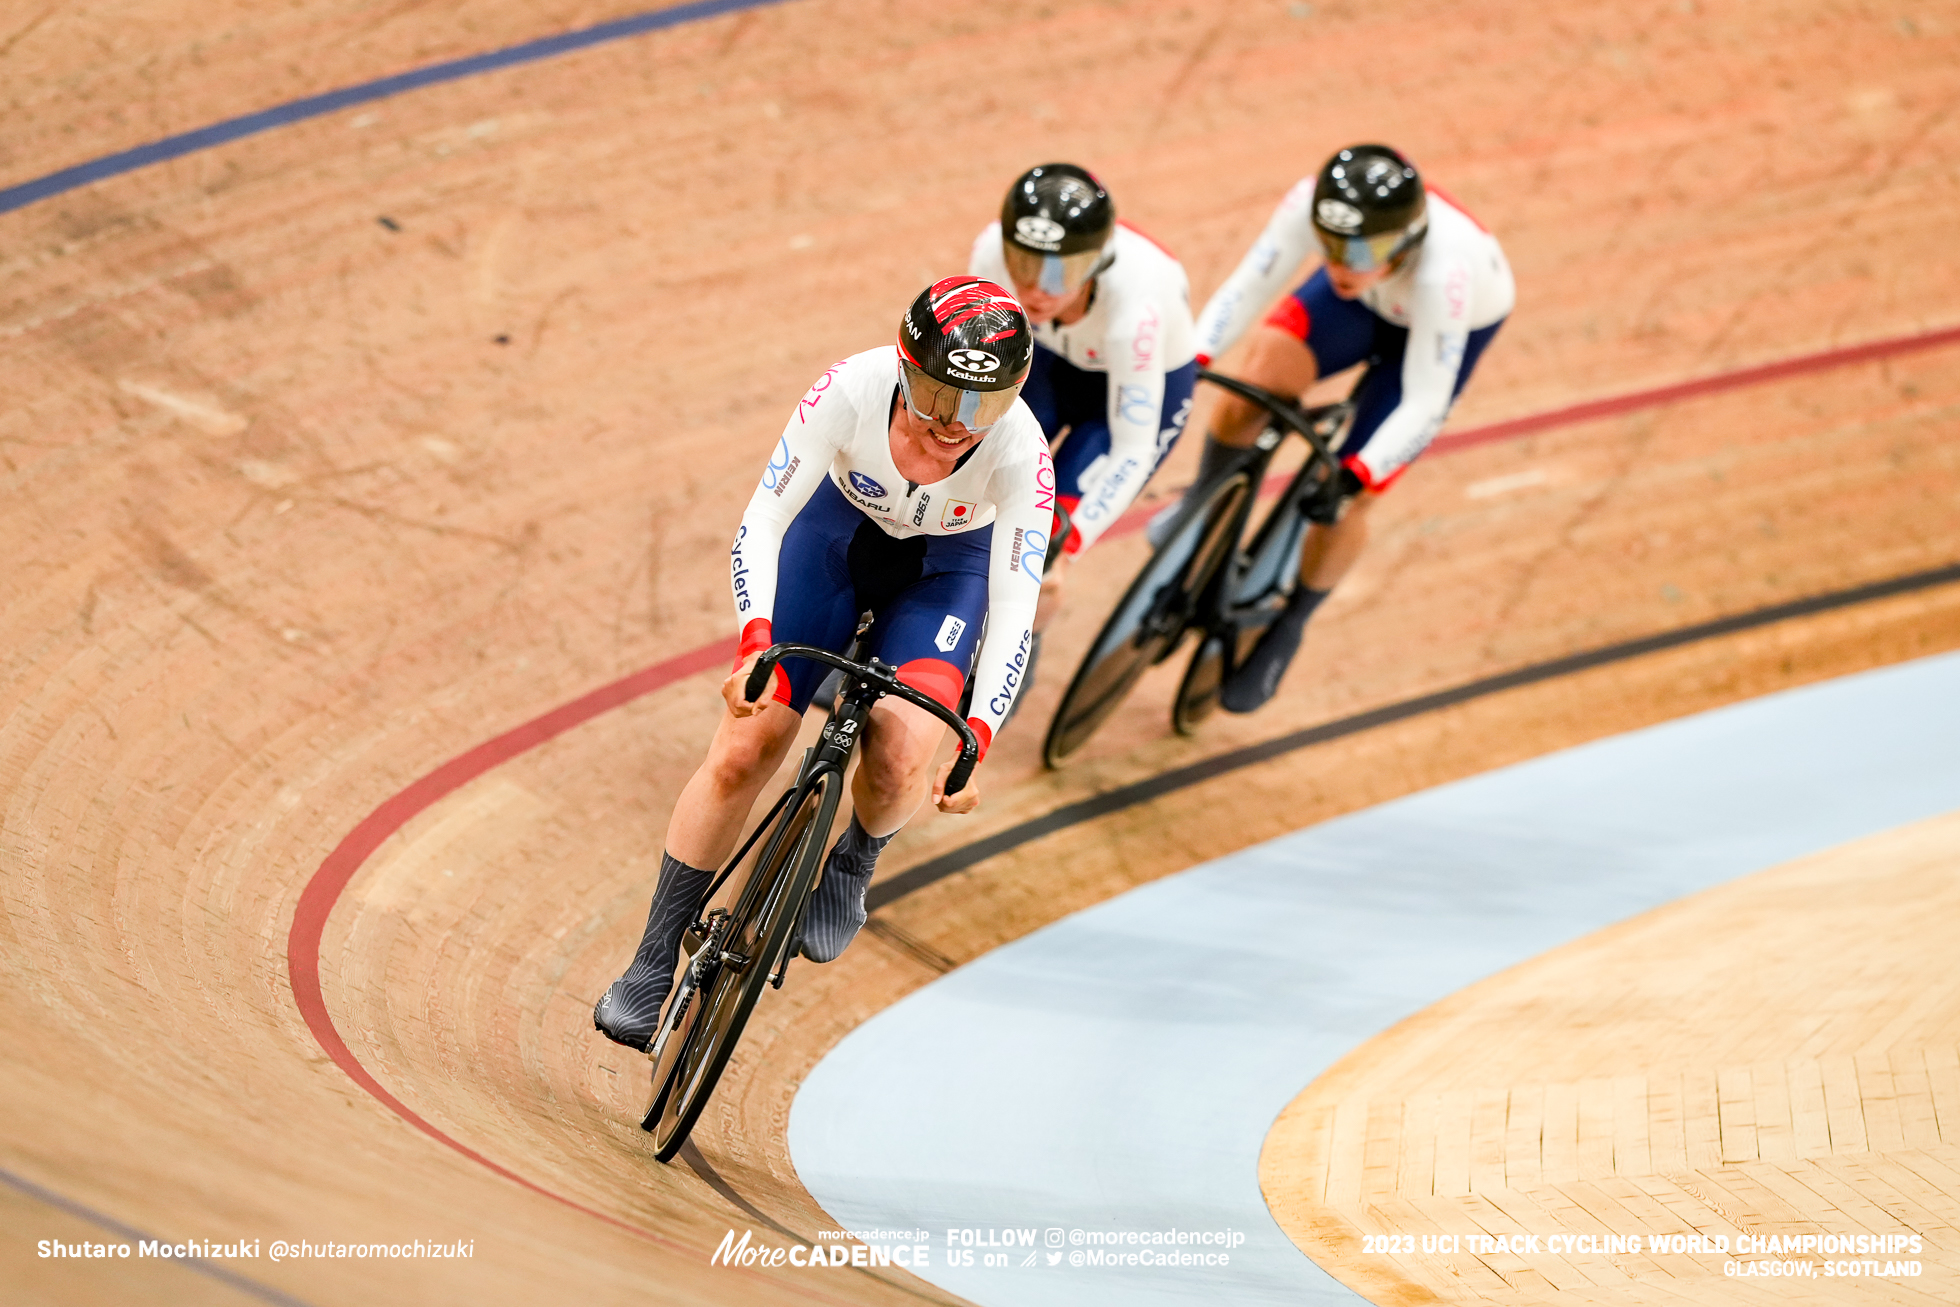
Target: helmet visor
{"points": [[1052, 274], [1364, 253], [945, 403]]}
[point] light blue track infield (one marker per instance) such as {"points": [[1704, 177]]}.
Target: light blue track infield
{"points": [[1119, 1070]]}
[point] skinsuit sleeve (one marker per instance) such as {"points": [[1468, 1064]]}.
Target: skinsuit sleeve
{"points": [[1265, 271], [812, 438]]}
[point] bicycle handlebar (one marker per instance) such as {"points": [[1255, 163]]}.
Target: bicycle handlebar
{"points": [[886, 680], [1304, 422]]}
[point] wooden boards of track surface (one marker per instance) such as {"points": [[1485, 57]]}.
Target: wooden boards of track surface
{"points": [[1816, 1090]]}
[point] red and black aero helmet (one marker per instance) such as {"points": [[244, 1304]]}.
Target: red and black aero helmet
{"points": [[1369, 208], [963, 351]]}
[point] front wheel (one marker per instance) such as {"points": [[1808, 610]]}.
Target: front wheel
{"points": [[748, 948], [1153, 614]]}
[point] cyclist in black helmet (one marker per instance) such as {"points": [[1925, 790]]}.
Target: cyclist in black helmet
{"points": [[911, 482], [1409, 283], [1113, 359]]}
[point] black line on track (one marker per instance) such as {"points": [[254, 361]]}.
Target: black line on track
{"points": [[1128, 796]]}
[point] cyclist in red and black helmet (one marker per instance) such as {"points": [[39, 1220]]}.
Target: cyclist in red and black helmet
{"points": [[1410, 284], [910, 481]]}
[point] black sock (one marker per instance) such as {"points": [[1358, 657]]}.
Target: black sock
{"points": [[1216, 460], [1300, 607]]}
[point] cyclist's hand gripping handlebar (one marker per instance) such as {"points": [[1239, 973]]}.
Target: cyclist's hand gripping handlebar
{"points": [[887, 682]]}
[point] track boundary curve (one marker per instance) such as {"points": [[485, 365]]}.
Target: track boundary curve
{"points": [[323, 890]]}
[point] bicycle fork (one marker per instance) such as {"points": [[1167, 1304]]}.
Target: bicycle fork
{"points": [[832, 751]]}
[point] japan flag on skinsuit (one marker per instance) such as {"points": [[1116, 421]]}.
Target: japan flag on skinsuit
{"points": [[957, 513]]}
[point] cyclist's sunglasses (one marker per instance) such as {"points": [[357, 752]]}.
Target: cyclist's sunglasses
{"points": [[1366, 253], [1053, 274], [938, 401]]}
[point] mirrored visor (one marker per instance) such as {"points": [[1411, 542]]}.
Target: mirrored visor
{"points": [[1362, 253], [938, 401], [1052, 274]]}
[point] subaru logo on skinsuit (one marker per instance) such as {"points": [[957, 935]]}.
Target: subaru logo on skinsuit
{"points": [[973, 360], [1338, 215], [866, 486], [1042, 233]]}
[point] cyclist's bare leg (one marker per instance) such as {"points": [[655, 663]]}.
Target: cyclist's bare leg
{"points": [[894, 772], [715, 803], [1330, 551], [894, 775], [1274, 360], [707, 821]]}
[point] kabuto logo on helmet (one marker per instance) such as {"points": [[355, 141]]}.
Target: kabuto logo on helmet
{"points": [[1338, 215], [1042, 233], [1057, 208], [974, 360], [1369, 208]]}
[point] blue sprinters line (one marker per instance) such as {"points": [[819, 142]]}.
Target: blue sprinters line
{"points": [[130, 1234], [232, 129]]}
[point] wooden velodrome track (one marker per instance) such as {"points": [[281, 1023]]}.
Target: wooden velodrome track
{"points": [[302, 504]]}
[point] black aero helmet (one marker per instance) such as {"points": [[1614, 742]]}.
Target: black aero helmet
{"points": [[1368, 207], [963, 351], [1055, 227]]}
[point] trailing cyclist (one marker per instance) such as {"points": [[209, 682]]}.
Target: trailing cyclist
{"points": [[1114, 362], [909, 482], [1410, 284]]}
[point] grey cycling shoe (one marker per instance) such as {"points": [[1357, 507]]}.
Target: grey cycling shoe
{"points": [[1257, 679], [837, 912], [629, 1011]]}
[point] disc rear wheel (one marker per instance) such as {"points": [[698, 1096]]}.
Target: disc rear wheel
{"points": [[1197, 692], [1151, 619]]}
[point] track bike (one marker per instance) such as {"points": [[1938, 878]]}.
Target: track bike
{"points": [[731, 953], [1221, 571]]}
